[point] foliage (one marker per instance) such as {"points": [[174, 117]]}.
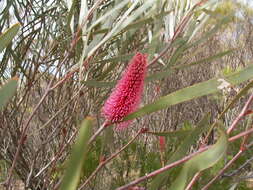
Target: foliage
{"points": [[60, 62]]}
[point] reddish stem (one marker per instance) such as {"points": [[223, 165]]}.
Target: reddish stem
{"points": [[241, 115]]}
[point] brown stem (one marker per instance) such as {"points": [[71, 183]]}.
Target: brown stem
{"points": [[103, 126], [243, 147], [242, 134], [193, 181], [178, 162], [167, 167], [241, 115], [26, 125], [23, 137], [223, 170], [102, 164], [178, 30]]}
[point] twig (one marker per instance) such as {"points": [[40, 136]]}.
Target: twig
{"points": [[193, 181], [243, 148], [238, 169], [223, 170], [102, 164], [103, 126], [176, 163], [48, 89], [167, 167], [242, 134], [57, 113], [241, 115], [30, 174], [179, 28], [84, 21], [23, 136], [57, 156]]}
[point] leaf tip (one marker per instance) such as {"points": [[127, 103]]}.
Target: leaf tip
{"points": [[15, 78], [90, 118]]}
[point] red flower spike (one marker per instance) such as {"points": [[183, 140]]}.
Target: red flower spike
{"points": [[126, 96]]}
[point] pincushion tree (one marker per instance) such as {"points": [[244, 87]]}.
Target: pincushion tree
{"points": [[188, 90]]}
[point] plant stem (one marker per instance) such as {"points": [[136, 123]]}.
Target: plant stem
{"points": [[103, 126], [167, 167], [223, 170], [176, 163], [102, 164], [241, 115]]}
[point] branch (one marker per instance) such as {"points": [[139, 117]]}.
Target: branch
{"points": [[243, 148], [223, 170], [241, 115], [102, 164], [103, 126], [176, 163], [167, 167]]}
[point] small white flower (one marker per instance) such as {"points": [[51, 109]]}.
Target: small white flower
{"points": [[224, 85]]}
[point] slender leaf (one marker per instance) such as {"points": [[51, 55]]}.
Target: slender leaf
{"points": [[208, 59], [194, 91], [77, 157], [181, 151], [201, 162], [236, 98], [152, 77], [211, 32], [8, 35], [108, 14], [7, 91]]}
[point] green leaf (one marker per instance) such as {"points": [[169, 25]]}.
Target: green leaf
{"points": [[8, 35], [105, 16], [7, 91], [127, 18], [181, 151], [194, 91], [77, 157], [208, 59], [94, 83], [236, 98], [221, 22], [152, 77], [201, 162]]}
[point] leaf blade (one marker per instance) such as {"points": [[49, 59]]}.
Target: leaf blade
{"points": [[190, 139], [8, 35], [7, 91], [192, 92], [201, 161], [79, 150]]}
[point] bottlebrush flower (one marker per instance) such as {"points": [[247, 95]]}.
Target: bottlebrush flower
{"points": [[126, 96]]}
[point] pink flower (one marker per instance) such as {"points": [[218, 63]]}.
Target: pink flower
{"points": [[126, 96]]}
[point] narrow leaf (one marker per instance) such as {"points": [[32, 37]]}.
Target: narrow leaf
{"points": [[194, 91], [7, 91], [8, 35], [201, 162], [208, 59], [77, 157], [181, 151]]}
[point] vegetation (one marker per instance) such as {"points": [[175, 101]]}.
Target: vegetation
{"points": [[59, 62]]}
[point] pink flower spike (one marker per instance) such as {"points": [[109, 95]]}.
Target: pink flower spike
{"points": [[126, 96]]}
